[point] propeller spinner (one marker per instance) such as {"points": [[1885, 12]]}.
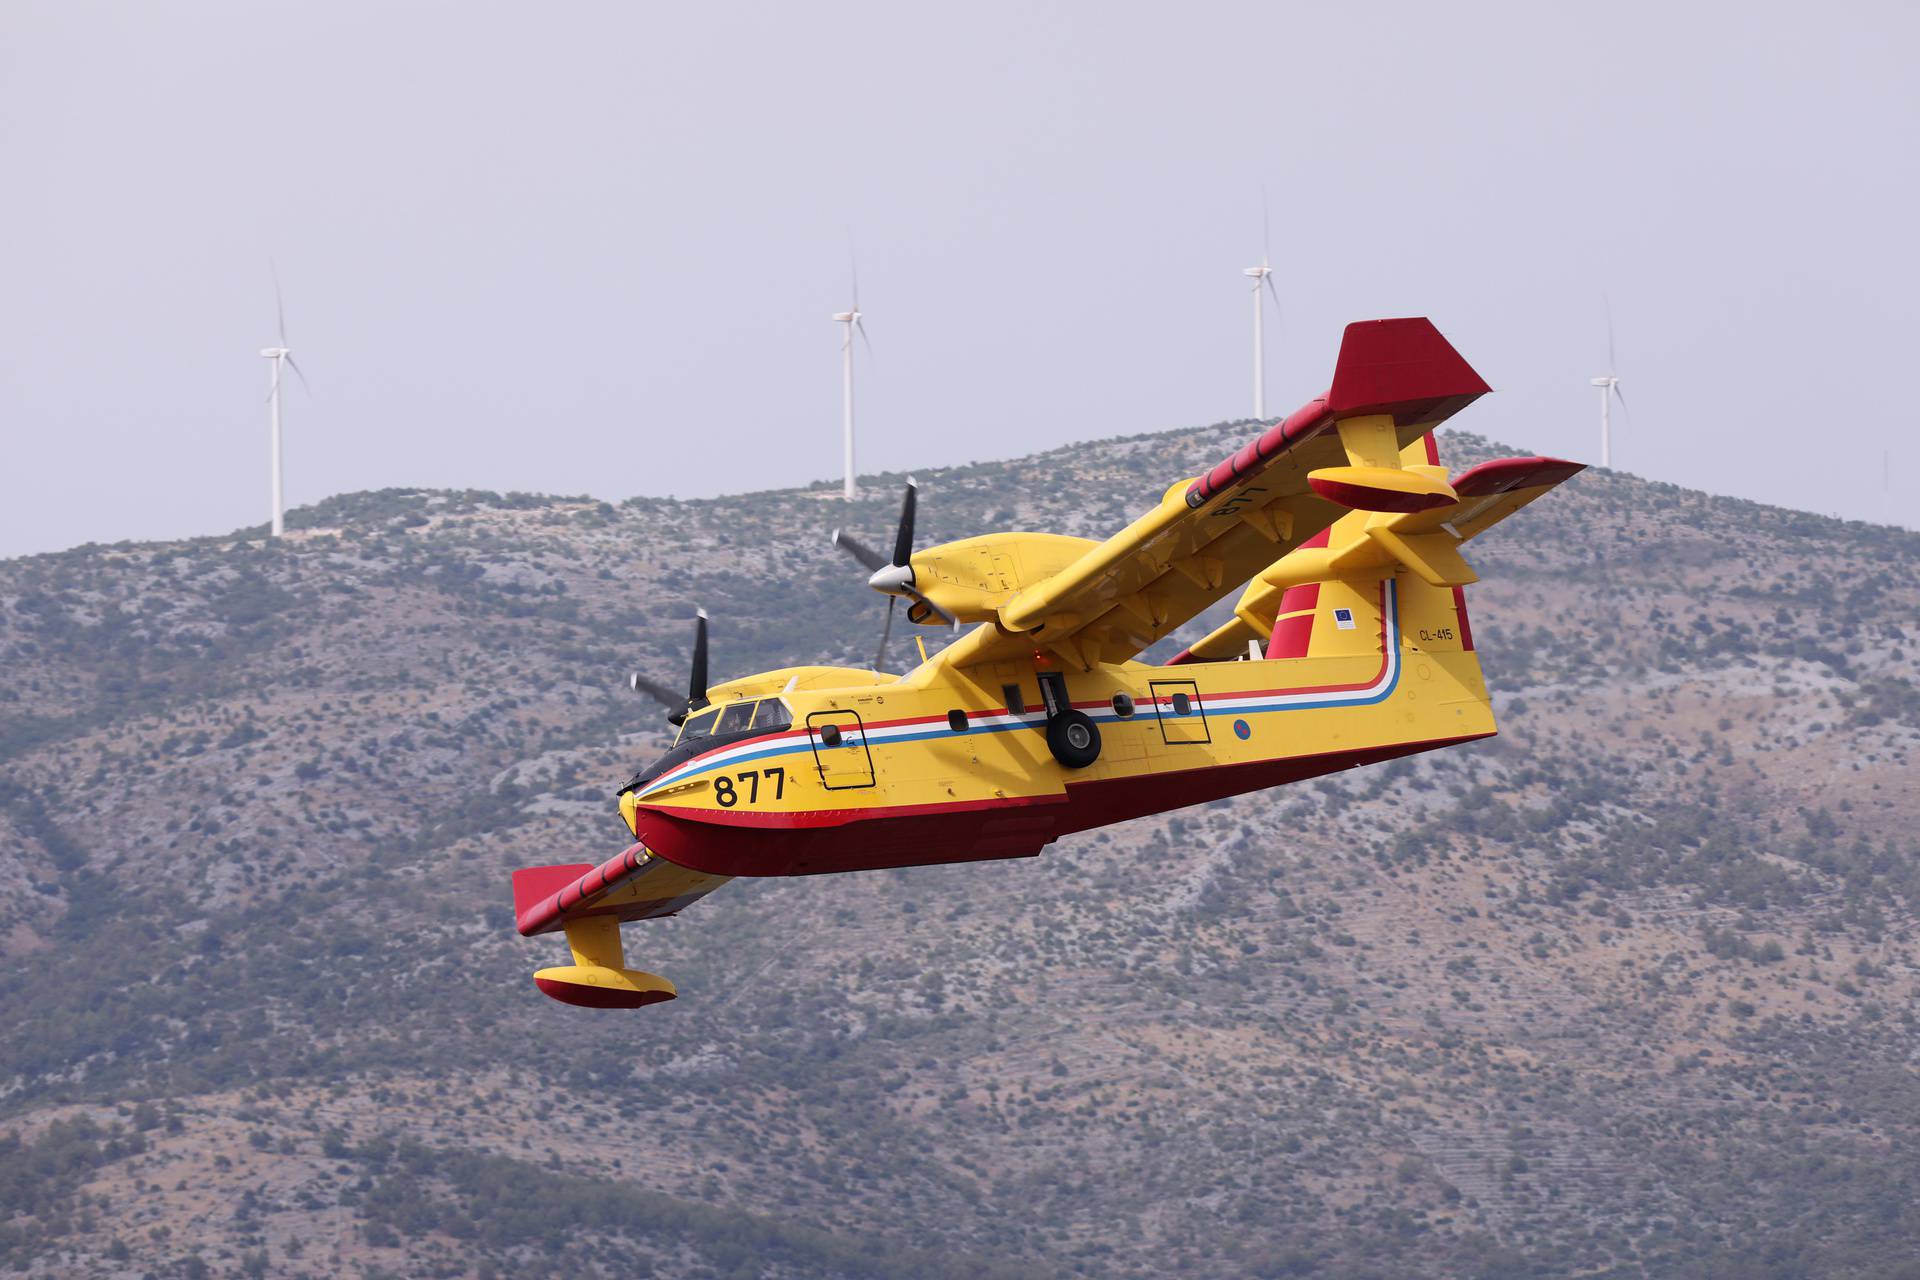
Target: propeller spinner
{"points": [[893, 577]]}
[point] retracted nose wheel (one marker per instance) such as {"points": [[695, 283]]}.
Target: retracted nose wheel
{"points": [[1073, 738]]}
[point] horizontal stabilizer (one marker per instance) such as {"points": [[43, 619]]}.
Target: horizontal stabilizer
{"points": [[1381, 488], [1431, 557], [1372, 542]]}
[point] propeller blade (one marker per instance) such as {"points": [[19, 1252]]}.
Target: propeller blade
{"points": [[697, 681], [655, 690], [298, 373], [903, 537], [927, 603], [886, 632], [859, 550]]}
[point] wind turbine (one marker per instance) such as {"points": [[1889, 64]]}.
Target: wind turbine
{"points": [[1262, 278], [282, 354], [1609, 392], [851, 319]]}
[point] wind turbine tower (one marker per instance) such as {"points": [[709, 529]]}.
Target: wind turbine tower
{"points": [[279, 355], [1609, 392], [851, 319], [1262, 279], [276, 354], [1609, 389]]}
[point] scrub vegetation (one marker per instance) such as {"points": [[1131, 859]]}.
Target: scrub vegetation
{"points": [[1628, 990]]}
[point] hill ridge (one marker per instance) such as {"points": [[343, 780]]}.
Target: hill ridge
{"points": [[1626, 989]]}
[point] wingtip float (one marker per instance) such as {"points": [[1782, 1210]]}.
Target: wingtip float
{"points": [[1349, 645]]}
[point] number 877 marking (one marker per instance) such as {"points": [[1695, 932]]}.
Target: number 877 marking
{"points": [[725, 789]]}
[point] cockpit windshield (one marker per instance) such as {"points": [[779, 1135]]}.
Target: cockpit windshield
{"points": [[736, 717], [698, 726], [768, 715]]}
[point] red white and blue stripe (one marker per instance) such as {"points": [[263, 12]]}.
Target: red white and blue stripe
{"points": [[922, 728]]}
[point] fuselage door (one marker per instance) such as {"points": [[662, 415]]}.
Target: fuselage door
{"points": [[840, 749], [1183, 718]]}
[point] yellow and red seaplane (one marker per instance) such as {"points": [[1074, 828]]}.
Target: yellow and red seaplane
{"points": [[1349, 645]]}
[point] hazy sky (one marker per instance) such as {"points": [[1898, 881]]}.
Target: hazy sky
{"points": [[594, 247]]}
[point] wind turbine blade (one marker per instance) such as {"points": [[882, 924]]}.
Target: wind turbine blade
{"points": [[1612, 364], [1621, 397], [1275, 292], [886, 633], [1266, 229], [279, 307], [291, 364], [861, 325]]}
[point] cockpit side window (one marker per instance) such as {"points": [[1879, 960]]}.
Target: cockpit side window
{"points": [[772, 716], [736, 717], [697, 726]]}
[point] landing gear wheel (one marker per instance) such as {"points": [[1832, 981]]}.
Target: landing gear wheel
{"points": [[1074, 739]]}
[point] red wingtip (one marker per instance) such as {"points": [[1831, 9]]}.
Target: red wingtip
{"points": [[533, 885]]}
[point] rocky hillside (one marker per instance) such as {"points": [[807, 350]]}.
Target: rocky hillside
{"points": [[1627, 990]]}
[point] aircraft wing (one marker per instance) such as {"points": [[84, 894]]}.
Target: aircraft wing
{"points": [[634, 885], [1395, 380]]}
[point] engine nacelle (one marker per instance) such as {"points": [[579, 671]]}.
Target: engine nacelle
{"points": [[973, 577]]}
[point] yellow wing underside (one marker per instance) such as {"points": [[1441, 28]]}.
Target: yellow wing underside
{"points": [[1394, 382], [1162, 570]]}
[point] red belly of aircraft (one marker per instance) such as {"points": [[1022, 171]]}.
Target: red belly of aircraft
{"points": [[733, 844]]}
